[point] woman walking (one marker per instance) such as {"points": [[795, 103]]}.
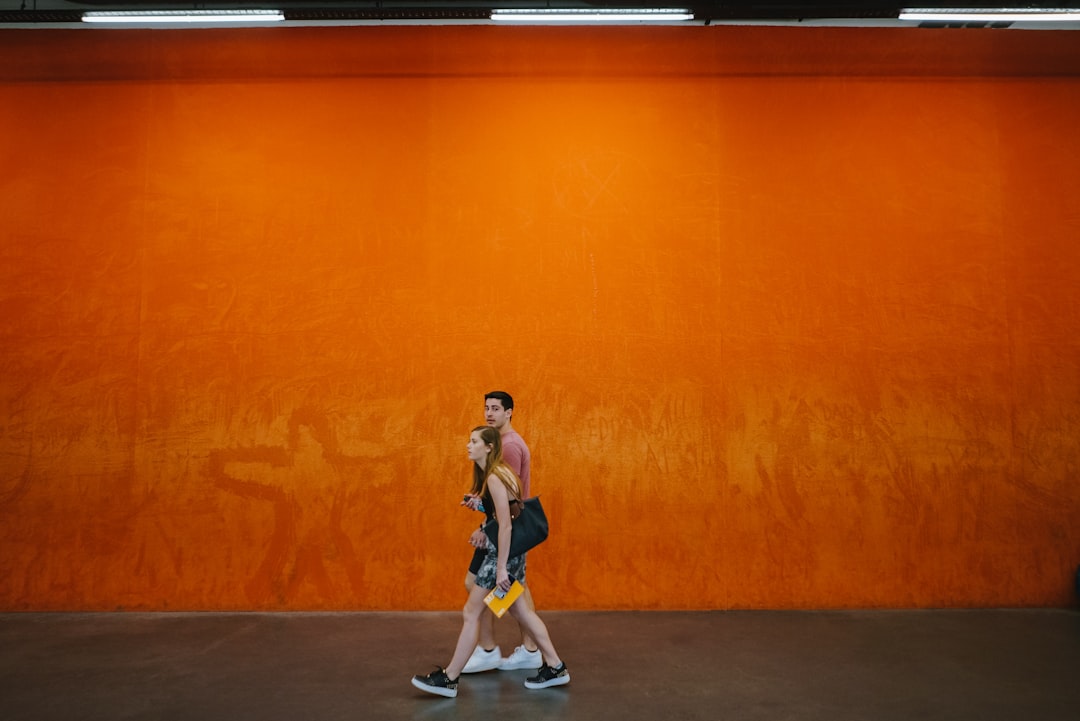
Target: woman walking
{"points": [[497, 485]]}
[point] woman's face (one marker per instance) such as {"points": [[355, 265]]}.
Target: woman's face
{"points": [[477, 449]]}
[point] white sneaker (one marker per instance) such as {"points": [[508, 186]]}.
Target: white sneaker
{"points": [[482, 660], [522, 658]]}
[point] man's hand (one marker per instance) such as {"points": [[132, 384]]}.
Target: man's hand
{"points": [[478, 539]]}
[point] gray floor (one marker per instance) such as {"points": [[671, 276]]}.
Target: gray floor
{"points": [[880, 665]]}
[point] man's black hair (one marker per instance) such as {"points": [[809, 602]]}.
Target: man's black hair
{"points": [[503, 397]]}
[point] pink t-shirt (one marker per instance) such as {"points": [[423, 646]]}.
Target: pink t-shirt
{"points": [[516, 454]]}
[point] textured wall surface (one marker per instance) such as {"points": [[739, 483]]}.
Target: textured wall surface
{"points": [[790, 315]]}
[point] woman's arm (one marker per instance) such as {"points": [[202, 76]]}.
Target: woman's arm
{"points": [[501, 499]]}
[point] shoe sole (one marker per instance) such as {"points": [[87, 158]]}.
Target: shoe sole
{"points": [[557, 681], [437, 690]]}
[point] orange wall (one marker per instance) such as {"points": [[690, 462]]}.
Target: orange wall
{"points": [[791, 315]]}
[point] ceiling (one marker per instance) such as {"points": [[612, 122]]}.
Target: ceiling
{"points": [[869, 13]]}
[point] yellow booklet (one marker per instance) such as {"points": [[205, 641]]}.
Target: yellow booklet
{"points": [[500, 602]]}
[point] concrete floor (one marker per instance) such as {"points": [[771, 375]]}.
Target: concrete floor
{"points": [[729, 666]]}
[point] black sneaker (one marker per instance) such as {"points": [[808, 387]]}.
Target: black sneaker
{"points": [[438, 683], [549, 676]]}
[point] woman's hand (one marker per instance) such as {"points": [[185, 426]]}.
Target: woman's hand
{"points": [[471, 501], [502, 579]]}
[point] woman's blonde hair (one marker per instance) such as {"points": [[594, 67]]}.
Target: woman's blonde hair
{"points": [[495, 463]]}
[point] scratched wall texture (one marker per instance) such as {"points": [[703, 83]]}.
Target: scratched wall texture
{"points": [[791, 315]]}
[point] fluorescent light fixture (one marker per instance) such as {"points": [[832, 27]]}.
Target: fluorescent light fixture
{"points": [[606, 15], [991, 15], [155, 17]]}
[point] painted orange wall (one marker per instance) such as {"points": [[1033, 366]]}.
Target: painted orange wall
{"points": [[790, 314]]}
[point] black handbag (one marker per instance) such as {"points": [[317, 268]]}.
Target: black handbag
{"points": [[529, 528]]}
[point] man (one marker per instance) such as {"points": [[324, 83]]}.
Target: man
{"points": [[498, 413]]}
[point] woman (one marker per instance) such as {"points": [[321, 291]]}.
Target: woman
{"points": [[498, 486]]}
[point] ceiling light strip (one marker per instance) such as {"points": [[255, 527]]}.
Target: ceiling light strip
{"points": [[606, 15], [157, 17], [990, 15]]}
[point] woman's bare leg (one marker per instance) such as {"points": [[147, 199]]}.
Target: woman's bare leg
{"points": [[530, 622], [487, 620], [527, 639]]}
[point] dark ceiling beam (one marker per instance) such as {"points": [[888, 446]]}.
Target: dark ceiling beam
{"points": [[449, 11]]}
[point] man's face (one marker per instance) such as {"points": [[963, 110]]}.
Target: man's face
{"points": [[494, 413]]}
